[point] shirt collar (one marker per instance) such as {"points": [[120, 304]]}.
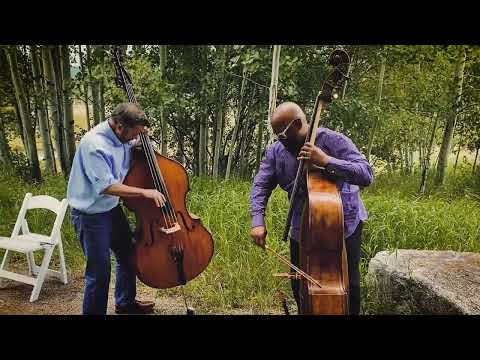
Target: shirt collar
{"points": [[106, 130]]}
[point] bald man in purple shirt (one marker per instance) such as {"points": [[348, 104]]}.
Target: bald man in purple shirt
{"points": [[340, 157]]}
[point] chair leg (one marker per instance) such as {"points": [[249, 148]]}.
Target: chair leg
{"points": [[4, 264], [31, 263], [63, 268], [41, 274]]}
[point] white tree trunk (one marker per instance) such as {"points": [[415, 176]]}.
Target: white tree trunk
{"points": [[56, 59], [456, 158], [42, 117], [475, 161], [238, 120], [220, 116], [452, 120], [272, 101], [428, 155], [94, 87], [48, 71], [381, 76], [5, 158], [68, 123], [24, 115], [348, 74], [85, 87], [163, 120], [202, 148], [101, 99]]}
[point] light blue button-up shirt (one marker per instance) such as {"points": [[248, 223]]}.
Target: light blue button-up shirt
{"points": [[101, 160]]}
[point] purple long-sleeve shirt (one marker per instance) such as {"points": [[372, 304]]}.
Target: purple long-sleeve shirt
{"points": [[279, 167]]}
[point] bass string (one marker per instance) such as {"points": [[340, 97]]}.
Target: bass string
{"points": [[155, 180], [159, 184], [145, 143]]}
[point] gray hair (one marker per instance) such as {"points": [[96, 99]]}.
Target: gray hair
{"points": [[130, 114]]}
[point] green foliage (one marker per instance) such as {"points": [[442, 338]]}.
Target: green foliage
{"points": [[20, 166], [418, 83]]}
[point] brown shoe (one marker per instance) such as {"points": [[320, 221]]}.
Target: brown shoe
{"points": [[138, 307]]}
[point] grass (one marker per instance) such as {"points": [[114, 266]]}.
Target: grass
{"points": [[240, 274]]}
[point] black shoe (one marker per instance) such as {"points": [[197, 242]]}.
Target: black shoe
{"points": [[138, 307]]}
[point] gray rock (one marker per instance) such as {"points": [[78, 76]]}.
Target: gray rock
{"points": [[424, 282]]}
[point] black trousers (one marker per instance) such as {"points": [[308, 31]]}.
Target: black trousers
{"points": [[353, 244]]}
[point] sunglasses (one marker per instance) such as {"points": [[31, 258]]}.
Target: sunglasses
{"points": [[283, 134]]}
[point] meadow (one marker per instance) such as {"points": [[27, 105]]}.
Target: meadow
{"points": [[240, 275]]}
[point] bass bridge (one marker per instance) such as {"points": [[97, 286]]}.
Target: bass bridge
{"points": [[172, 229]]}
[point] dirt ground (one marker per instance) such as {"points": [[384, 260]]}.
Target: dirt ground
{"points": [[59, 299]]}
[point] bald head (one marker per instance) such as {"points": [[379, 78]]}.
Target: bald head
{"points": [[286, 112], [289, 123]]}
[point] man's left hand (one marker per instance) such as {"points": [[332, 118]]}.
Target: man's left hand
{"points": [[316, 155]]}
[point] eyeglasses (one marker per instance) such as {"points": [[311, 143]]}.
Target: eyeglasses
{"points": [[283, 134]]}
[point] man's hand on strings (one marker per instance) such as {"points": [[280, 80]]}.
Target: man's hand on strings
{"points": [[314, 154], [259, 234], [155, 195]]}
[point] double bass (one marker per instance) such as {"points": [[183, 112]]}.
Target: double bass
{"points": [[172, 246], [322, 270]]}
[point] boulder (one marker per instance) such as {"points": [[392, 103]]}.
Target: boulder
{"points": [[424, 282]]}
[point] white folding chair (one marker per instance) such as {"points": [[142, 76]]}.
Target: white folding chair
{"points": [[28, 242]]}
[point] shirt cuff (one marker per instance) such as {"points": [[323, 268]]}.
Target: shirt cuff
{"points": [[336, 166], [258, 220]]}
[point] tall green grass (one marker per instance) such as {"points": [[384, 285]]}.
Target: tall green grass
{"points": [[240, 274]]}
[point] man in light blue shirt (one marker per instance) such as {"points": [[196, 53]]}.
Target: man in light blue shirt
{"points": [[101, 162]]}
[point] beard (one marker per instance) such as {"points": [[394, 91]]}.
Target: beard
{"points": [[292, 148], [294, 145], [123, 137]]}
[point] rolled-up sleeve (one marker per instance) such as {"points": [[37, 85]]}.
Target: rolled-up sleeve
{"points": [[97, 168], [348, 162], [264, 183]]}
